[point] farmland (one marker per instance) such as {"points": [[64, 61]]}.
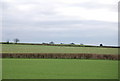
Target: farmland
{"points": [[13, 48], [24, 68], [59, 69]]}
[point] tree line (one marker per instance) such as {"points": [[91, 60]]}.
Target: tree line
{"points": [[16, 40]]}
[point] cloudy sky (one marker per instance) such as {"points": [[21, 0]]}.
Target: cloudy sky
{"points": [[79, 21]]}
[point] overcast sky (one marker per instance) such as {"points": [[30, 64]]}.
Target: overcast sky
{"points": [[61, 21]]}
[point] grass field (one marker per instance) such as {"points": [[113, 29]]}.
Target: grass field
{"points": [[12, 48], [59, 69]]}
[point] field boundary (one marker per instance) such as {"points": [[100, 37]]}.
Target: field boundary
{"points": [[61, 56], [70, 45]]}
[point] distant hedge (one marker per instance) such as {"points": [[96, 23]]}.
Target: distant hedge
{"points": [[70, 45], [61, 56]]}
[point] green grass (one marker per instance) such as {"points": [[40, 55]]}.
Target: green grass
{"points": [[12, 48], [59, 69], [0, 69]]}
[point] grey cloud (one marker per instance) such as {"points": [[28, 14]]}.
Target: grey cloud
{"points": [[95, 5], [51, 26], [77, 36]]}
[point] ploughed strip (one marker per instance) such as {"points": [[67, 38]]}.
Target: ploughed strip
{"points": [[61, 56]]}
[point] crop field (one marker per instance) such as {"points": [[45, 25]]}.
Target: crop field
{"points": [[24, 68], [12, 48], [59, 69]]}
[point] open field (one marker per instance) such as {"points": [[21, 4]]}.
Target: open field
{"points": [[59, 69], [13, 48]]}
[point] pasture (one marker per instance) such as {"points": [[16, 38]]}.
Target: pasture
{"points": [[14, 48], [59, 69]]}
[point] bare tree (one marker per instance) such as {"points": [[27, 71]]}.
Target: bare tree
{"points": [[101, 44], [81, 44], [16, 40], [7, 42], [44, 43], [51, 42], [72, 43]]}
